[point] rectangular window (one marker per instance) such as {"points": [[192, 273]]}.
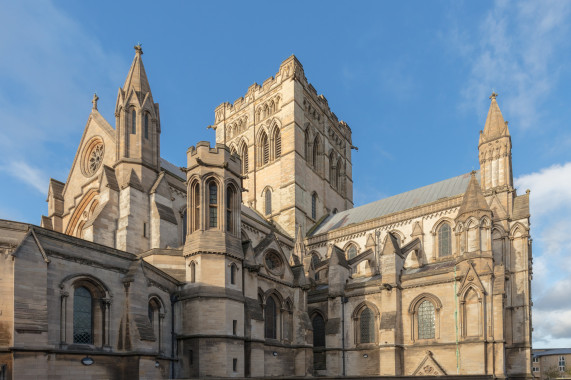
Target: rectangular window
{"points": [[190, 357], [535, 369], [145, 230], [234, 326], [536, 359], [561, 363], [235, 365]]}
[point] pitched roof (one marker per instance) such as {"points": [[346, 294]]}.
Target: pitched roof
{"points": [[448, 188], [173, 169], [555, 351], [473, 198]]}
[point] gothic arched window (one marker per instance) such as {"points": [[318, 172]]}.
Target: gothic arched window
{"points": [[265, 149], [195, 206], [184, 220], [444, 240], [315, 259], [271, 318], [268, 205], [212, 205], [307, 144], [244, 157], [367, 326], [332, 170], [233, 270], [318, 331], [146, 125], [82, 316], [230, 205], [315, 153], [192, 271], [338, 176], [351, 251], [426, 319], [133, 122], [277, 143], [314, 206]]}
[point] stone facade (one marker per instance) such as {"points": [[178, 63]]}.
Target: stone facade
{"points": [[252, 262]]}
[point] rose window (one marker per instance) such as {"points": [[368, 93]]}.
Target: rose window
{"points": [[95, 159], [92, 156]]}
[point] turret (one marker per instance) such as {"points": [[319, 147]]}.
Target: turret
{"points": [[474, 220], [495, 151], [137, 118], [214, 188]]}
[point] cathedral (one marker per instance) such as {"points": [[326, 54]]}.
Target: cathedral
{"points": [[251, 260]]}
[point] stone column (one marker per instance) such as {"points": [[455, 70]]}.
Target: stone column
{"points": [[63, 317]]}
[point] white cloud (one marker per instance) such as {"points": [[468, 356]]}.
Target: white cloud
{"points": [[514, 52], [550, 202], [551, 188], [25, 173]]}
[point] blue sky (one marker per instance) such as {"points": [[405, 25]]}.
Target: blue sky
{"points": [[411, 79]]}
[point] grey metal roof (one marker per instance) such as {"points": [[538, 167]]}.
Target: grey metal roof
{"points": [[254, 214], [555, 351], [173, 169], [413, 198]]}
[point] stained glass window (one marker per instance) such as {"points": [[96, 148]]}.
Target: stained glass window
{"points": [[273, 262], [367, 326], [213, 203], [318, 331], [151, 312], [270, 318], [196, 221], [444, 241], [351, 251], [229, 206], [82, 316], [426, 320]]}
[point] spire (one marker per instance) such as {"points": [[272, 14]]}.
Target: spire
{"points": [[299, 248], [473, 198], [495, 125], [137, 78]]}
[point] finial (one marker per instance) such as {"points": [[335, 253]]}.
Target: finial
{"points": [[473, 172], [138, 48], [94, 101], [494, 95]]}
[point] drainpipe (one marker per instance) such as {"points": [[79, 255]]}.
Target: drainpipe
{"points": [[174, 299]]}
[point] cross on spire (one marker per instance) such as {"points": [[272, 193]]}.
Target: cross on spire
{"points": [[94, 101], [494, 95], [138, 48]]}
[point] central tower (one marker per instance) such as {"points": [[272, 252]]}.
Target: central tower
{"points": [[296, 154]]}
